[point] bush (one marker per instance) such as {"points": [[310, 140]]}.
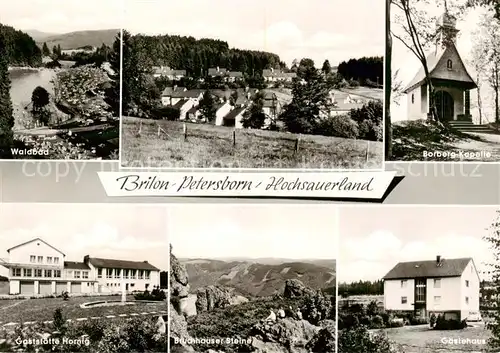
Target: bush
{"points": [[338, 126], [155, 295], [168, 113], [359, 339], [398, 323], [369, 119], [414, 320], [378, 322], [444, 324]]}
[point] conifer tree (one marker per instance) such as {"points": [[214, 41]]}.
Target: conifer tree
{"points": [[6, 111]]}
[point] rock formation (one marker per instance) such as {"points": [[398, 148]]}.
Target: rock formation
{"points": [[212, 297], [295, 288]]}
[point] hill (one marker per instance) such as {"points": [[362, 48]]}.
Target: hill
{"points": [[74, 40], [39, 36], [20, 48], [250, 278]]}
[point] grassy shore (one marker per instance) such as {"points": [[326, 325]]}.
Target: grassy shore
{"points": [[209, 146]]}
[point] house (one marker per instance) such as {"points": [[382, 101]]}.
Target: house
{"points": [[172, 95], [234, 118], [343, 102], [183, 105], [171, 74], [193, 114], [440, 286], [221, 111], [37, 267], [275, 75], [217, 72], [233, 76], [449, 76]]}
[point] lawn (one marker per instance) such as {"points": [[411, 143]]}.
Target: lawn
{"points": [[209, 146], [420, 339], [43, 309]]}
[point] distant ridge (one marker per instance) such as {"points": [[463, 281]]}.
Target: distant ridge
{"points": [[78, 39]]}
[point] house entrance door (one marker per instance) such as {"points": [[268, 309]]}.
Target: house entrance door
{"points": [[444, 105]]}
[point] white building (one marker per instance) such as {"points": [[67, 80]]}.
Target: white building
{"points": [[37, 268], [442, 286]]}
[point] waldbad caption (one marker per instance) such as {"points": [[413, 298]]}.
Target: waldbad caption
{"points": [[135, 182]]}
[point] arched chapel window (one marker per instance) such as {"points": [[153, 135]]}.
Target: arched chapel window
{"points": [[449, 64]]}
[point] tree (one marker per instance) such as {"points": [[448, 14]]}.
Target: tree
{"points": [[40, 99], [6, 112], [233, 98], [414, 29], [113, 93], [486, 58], [388, 82], [45, 50], [306, 68], [255, 117], [207, 106], [309, 104], [493, 238], [327, 68]]}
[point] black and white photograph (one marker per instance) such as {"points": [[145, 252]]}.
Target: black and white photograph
{"points": [[83, 278], [60, 79], [253, 278], [419, 279], [261, 84], [445, 81]]}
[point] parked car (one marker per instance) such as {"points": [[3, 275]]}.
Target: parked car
{"points": [[474, 316]]}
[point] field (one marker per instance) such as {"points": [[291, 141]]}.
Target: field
{"points": [[421, 339], [209, 146], [42, 309]]}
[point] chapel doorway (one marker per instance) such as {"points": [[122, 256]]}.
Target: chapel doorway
{"points": [[444, 105]]}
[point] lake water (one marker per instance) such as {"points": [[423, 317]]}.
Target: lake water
{"points": [[23, 82]]}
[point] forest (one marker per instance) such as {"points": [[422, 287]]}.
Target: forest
{"points": [[20, 48], [196, 56], [366, 70]]}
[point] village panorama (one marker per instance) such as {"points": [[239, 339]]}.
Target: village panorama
{"points": [[203, 101]]}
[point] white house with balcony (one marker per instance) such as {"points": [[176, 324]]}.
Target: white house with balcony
{"points": [[441, 286], [38, 268]]}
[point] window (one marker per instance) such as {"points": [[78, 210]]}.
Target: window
{"points": [[85, 274], [147, 274], [141, 272], [466, 300], [77, 274], [404, 300], [40, 259], [109, 273], [132, 274], [99, 273], [16, 272], [56, 260], [32, 259], [404, 283], [449, 64], [132, 284], [57, 273], [38, 273], [125, 274], [467, 283], [117, 273], [49, 259], [48, 273], [437, 299], [412, 98], [27, 272], [437, 283]]}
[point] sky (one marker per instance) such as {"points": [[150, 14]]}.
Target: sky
{"points": [[317, 29], [124, 232], [254, 231], [408, 64], [62, 16], [374, 239]]}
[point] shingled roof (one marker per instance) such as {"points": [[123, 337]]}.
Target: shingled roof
{"points": [[123, 264], [419, 269], [434, 61], [234, 113]]}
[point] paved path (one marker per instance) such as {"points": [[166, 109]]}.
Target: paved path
{"points": [[11, 324]]}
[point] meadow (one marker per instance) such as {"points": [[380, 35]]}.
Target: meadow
{"points": [[163, 144]]}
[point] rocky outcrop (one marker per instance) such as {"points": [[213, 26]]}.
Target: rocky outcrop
{"points": [[213, 297], [179, 282], [295, 288], [284, 335]]}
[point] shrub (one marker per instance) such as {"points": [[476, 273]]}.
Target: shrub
{"points": [[396, 323], [378, 322], [168, 113], [451, 324], [369, 119], [338, 126], [59, 321], [359, 339], [418, 320], [155, 295]]}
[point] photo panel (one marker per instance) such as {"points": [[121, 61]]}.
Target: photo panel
{"points": [[418, 279], [83, 277], [443, 67], [60, 79], [253, 278], [258, 85]]}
